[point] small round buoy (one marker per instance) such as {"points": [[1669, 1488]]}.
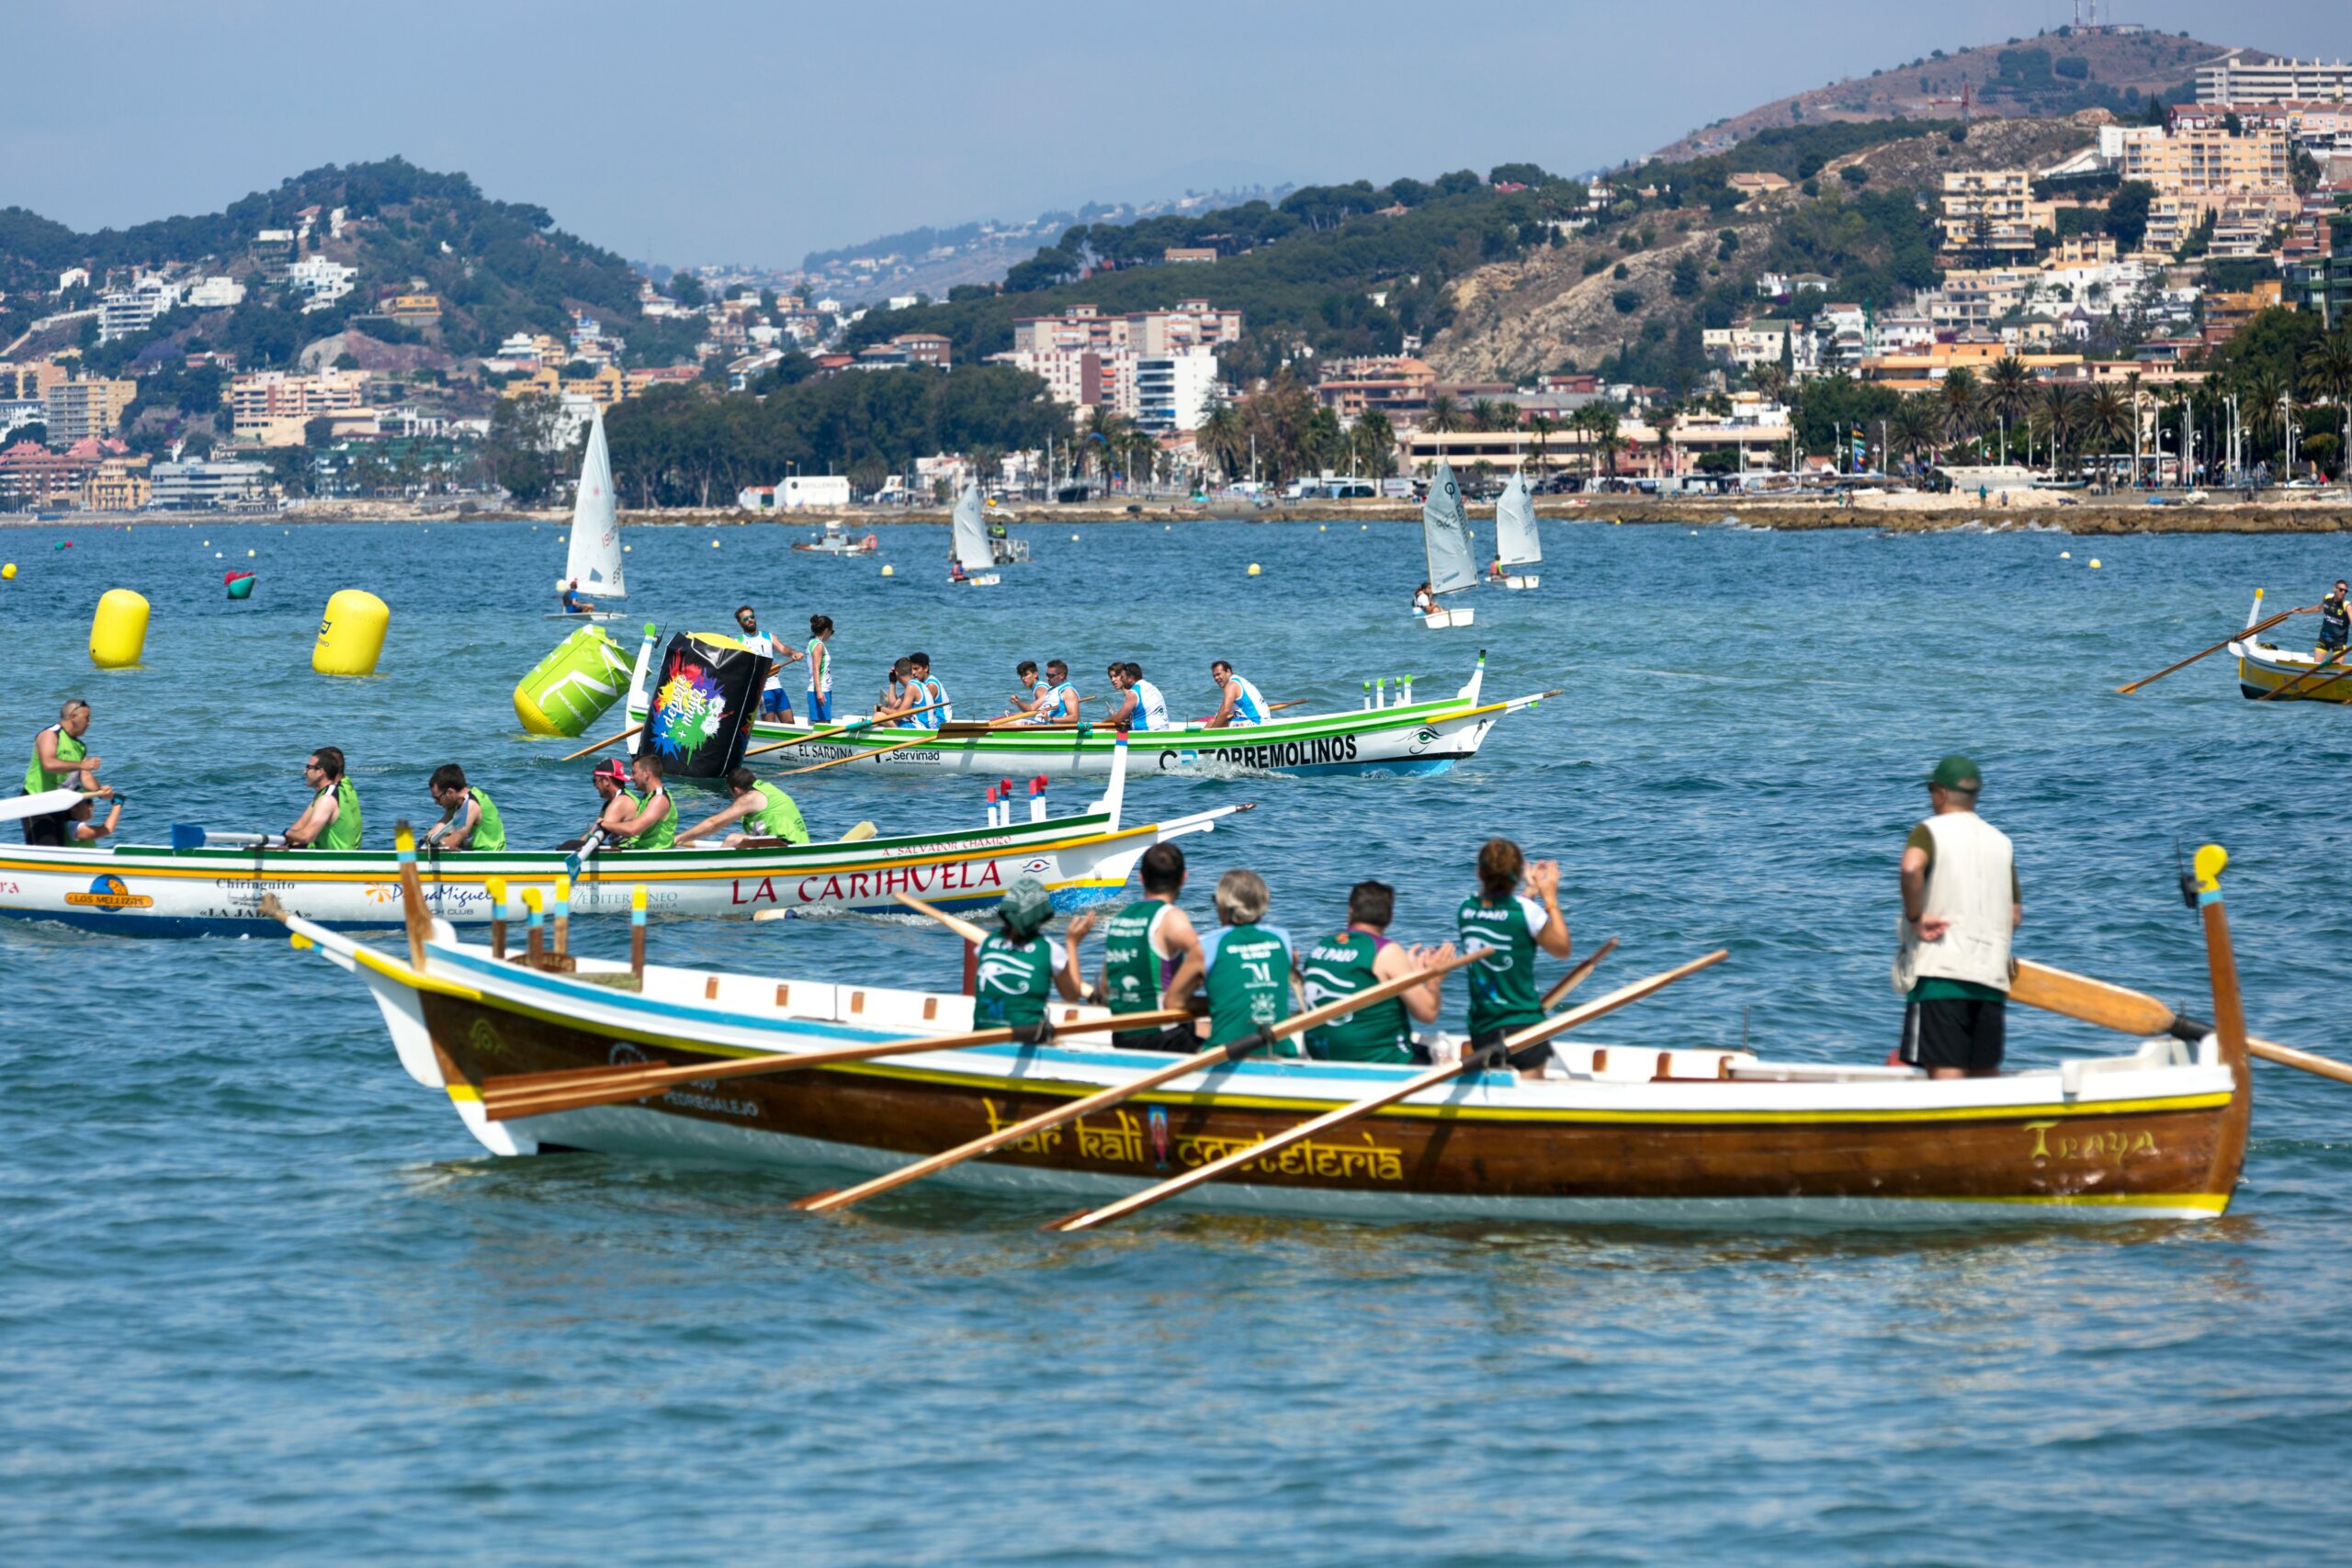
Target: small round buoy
{"points": [[559, 538], [208, 544], [1322, 527], [714, 544], [1073, 538], [2094, 563], [885, 569], [8, 572], [2065, 554], [1253, 569], [628, 548], [248, 554], [64, 543], [216, 555]]}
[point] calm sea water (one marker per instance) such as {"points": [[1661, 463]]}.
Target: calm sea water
{"points": [[261, 1299]]}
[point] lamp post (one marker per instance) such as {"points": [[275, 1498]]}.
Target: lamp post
{"points": [[2286, 422]]}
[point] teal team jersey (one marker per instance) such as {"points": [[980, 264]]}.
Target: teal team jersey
{"points": [[1502, 983], [1339, 967], [1248, 983], [1015, 980]]}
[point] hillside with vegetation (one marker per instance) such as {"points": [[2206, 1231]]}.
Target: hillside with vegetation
{"points": [[2051, 74], [498, 267]]}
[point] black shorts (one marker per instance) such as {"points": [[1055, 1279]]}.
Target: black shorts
{"points": [[52, 831], [1527, 1058], [1956, 1032], [1176, 1037]]}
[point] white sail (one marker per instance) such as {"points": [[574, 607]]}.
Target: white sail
{"points": [[1515, 537], [595, 562], [971, 533], [1445, 533]]}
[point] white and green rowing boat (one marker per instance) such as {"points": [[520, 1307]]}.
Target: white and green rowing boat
{"points": [[1396, 738]]}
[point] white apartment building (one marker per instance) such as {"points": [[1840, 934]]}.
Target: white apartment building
{"points": [[1173, 391], [215, 294], [125, 312], [193, 486], [1092, 360], [324, 281], [1757, 343], [2234, 80]]}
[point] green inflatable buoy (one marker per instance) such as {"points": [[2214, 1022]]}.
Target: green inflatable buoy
{"points": [[241, 583]]}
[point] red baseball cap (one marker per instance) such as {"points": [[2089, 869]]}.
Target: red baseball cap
{"points": [[610, 768]]}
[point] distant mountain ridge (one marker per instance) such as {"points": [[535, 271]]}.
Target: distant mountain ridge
{"points": [[2119, 69]]}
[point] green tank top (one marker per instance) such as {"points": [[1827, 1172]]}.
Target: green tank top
{"points": [[1502, 984], [1132, 972], [343, 833], [1014, 982], [1249, 985], [663, 833], [489, 833], [779, 819], [39, 780], [1340, 967]]}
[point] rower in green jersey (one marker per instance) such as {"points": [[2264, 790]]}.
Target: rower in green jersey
{"points": [[1018, 968], [763, 809], [332, 820], [1246, 967], [59, 758], [1150, 952], [468, 820], [1514, 926], [654, 825], [1356, 960]]}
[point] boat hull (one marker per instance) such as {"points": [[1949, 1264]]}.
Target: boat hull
{"points": [[2264, 668], [130, 890], [2124, 1144]]}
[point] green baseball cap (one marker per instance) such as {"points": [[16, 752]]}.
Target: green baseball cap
{"points": [[1026, 906], [1957, 772]]}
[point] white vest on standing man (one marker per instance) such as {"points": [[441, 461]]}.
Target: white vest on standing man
{"points": [[1970, 882]]}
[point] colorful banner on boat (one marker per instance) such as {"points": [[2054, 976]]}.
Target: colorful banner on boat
{"points": [[703, 703]]}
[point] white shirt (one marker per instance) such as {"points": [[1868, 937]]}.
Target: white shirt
{"points": [[1152, 708], [763, 645]]}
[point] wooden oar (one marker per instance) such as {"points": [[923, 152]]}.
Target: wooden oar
{"points": [[600, 745], [1534, 1033], [2243, 632], [955, 924], [2135, 1012], [2334, 661], [577, 1088], [818, 1203], [851, 728], [1005, 722], [1576, 976]]}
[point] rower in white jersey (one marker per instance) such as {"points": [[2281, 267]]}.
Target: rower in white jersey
{"points": [[932, 694], [1140, 704], [1058, 702], [1242, 703]]}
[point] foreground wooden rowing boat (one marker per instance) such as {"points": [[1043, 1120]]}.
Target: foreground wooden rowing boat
{"points": [[1409, 737], [1613, 1131], [155, 890]]}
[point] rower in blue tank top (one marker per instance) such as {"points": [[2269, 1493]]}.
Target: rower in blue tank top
{"points": [[1152, 708], [1058, 700], [1242, 702], [933, 693]]}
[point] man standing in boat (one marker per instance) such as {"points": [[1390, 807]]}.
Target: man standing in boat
{"points": [[1513, 927], [60, 762], [1960, 907], [773, 703], [469, 818], [765, 811], [331, 820], [1150, 952], [1241, 702], [2335, 624], [1018, 968], [1357, 959]]}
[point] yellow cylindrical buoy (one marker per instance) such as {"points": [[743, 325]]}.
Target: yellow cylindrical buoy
{"points": [[119, 631], [1253, 569], [351, 634]]}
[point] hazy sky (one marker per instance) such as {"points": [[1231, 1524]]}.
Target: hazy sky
{"points": [[732, 131]]}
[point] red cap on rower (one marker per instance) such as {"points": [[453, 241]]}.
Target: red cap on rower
{"points": [[610, 768]]}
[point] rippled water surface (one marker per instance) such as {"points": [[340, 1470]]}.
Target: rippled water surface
{"points": [[261, 1298]]}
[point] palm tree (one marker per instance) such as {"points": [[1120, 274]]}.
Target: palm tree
{"points": [[1960, 415], [1487, 413], [1376, 444], [1604, 423], [1914, 424], [1541, 427], [1442, 415], [2327, 379], [2060, 417], [2106, 419], [1222, 440], [2009, 392], [1770, 380]]}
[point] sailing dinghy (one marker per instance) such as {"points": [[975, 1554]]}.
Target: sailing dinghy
{"points": [[1517, 543], [594, 558], [1446, 534], [971, 542]]}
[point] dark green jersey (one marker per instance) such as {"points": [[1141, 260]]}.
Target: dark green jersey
{"points": [[1015, 981], [1133, 977], [1248, 983], [1340, 967], [1502, 983]]}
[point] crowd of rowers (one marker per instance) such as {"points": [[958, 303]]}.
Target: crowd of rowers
{"points": [[1251, 975]]}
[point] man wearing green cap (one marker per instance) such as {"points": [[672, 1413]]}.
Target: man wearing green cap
{"points": [[1960, 906], [1019, 967]]}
